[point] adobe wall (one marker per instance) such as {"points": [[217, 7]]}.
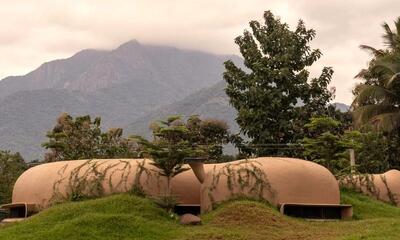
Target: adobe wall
{"points": [[277, 180], [384, 187], [49, 182]]}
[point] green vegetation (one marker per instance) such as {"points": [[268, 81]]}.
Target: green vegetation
{"points": [[377, 97], [130, 217], [327, 143], [169, 148], [283, 112], [274, 96], [82, 138], [11, 166], [175, 140]]}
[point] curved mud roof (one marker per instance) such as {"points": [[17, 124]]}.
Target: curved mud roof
{"points": [[384, 187], [52, 182], [277, 180], [283, 180]]}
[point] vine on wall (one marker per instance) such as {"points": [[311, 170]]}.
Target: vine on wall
{"points": [[244, 178], [88, 180], [366, 183]]}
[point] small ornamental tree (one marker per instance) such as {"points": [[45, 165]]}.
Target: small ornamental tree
{"points": [[12, 165], [175, 140], [274, 96], [169, 148]]}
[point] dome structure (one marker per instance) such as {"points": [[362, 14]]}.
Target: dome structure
{"points": [[280, 181], [277, 180], [384, 187], [52, 182]]}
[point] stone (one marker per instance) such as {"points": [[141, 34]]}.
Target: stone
{"points": [[189, 219]]}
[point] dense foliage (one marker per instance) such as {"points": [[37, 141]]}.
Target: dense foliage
{"points": [[274, 96], [328, 144], [82, 138], [377, 97], [12, 165], [324, 144], [208, 136]]}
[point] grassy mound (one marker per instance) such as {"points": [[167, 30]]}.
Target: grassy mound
{"points": [[107, 218], [130, 217]]}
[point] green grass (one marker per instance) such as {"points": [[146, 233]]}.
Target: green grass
{"points": [[129, 217]]}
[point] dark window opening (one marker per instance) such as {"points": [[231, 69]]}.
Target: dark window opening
{"points": [[183, 209], [313, 212], [18, 212]]}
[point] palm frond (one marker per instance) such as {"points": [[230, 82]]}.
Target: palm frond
{"points": [[368, 93], [364, 114], [362, 74], [387, 121], [397, 24], [387, 64], [388, 37], [372, 50], [395, 78]]}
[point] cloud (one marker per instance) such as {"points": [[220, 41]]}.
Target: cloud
{"points": [[35, 31]]}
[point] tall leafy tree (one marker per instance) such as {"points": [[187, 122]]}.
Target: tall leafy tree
{"points": [[82, 138], [12, 165], [274, 96]]}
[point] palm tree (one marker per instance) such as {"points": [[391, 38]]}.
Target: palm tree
{"points": [[377, 99]]}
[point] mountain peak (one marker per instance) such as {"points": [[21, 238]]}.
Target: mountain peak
{"points": [[129, 44]]}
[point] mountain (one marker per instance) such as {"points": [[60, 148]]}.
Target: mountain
{"points": [[163, 68], [209, 102], [120, 85], [342, 107]]}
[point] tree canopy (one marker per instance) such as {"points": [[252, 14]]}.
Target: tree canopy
{"points": [[328, 142], [12, 165], [274, 95], [82, 138]]}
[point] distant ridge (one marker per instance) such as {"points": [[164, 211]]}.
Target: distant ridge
{"points": [[120, 85], [209, 102], [342, 107]]}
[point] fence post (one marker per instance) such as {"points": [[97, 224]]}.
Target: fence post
{"points": [[352, 160]]}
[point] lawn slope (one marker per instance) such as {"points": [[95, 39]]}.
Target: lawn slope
{"points": [[130, 217]]}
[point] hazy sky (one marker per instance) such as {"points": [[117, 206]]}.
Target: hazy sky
{"points": [[35, 31]]}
